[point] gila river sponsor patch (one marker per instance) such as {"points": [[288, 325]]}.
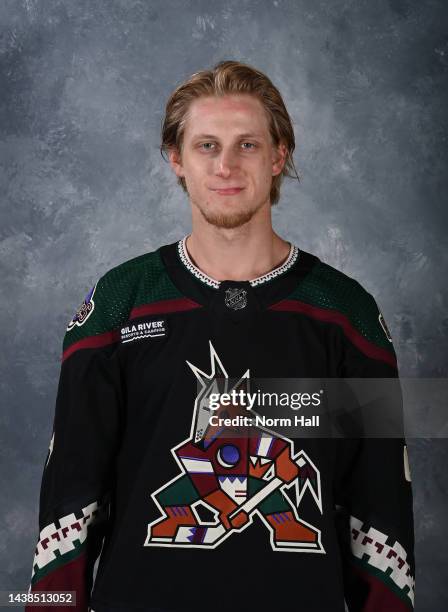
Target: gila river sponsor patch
{"points": [[143, 329]]}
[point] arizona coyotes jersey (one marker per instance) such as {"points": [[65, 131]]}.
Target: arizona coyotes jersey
{"points": [[182, 515]]}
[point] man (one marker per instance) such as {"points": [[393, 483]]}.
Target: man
{"points": [[194, 512]]}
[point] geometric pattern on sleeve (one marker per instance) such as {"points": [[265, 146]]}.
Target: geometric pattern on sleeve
{"points": [[62, 541], [387, 561]]}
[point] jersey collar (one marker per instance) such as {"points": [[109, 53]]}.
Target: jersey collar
{"points": [[268, 288], [211, 282]]}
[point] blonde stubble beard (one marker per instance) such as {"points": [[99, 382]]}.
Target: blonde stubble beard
{"points": [[229, 220]]}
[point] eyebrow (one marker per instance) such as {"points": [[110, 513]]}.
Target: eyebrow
{"points": [[245, 135]]}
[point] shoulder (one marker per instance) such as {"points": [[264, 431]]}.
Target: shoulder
{"points": [[330, 288], [332, 296], [111, 300]]}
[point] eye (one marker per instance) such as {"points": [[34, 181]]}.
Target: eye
{"points": [[209, 146]]}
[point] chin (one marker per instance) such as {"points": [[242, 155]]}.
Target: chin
{"points": [[228, 223], [227, 212], [228, 220]]}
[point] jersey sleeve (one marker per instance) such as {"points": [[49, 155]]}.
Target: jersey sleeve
{"points": [[373, 494], [78, 474]]}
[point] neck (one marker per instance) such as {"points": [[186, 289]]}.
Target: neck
{"points": [[241, 253]]}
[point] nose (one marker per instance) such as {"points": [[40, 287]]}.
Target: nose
{"points": [[225, 162]]}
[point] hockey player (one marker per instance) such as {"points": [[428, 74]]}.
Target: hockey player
{"points": [[210, 520]]}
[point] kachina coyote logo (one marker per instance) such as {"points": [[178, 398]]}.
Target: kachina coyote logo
{"points": [[235, 479]]}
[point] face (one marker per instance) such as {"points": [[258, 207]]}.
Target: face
{"points": [[228, 159]]}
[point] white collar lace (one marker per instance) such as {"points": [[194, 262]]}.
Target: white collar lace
{"points": [[211, 282]]}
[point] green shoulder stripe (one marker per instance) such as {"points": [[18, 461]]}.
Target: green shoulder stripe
{"points": [[326, 288], [138, 281]]}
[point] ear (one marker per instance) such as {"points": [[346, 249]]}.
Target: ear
{"points": [[175, 160], [279, 156]]}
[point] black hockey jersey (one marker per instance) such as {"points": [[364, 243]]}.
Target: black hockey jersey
{"points": [[182, 515]]}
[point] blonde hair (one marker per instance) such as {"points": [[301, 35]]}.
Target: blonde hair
{"points": [[230, 77]]}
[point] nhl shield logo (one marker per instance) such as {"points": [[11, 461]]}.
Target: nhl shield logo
{"points": [[236, 298]]}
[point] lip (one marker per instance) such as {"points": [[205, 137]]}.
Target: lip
{"points": [[229, 190]]}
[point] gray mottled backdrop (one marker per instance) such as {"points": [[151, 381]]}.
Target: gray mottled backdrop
{"points": [[83, 187]]}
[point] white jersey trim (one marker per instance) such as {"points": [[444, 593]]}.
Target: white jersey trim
{"points": [[211, 282]]}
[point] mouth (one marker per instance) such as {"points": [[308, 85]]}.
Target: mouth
{"points": [[228, 191]]}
